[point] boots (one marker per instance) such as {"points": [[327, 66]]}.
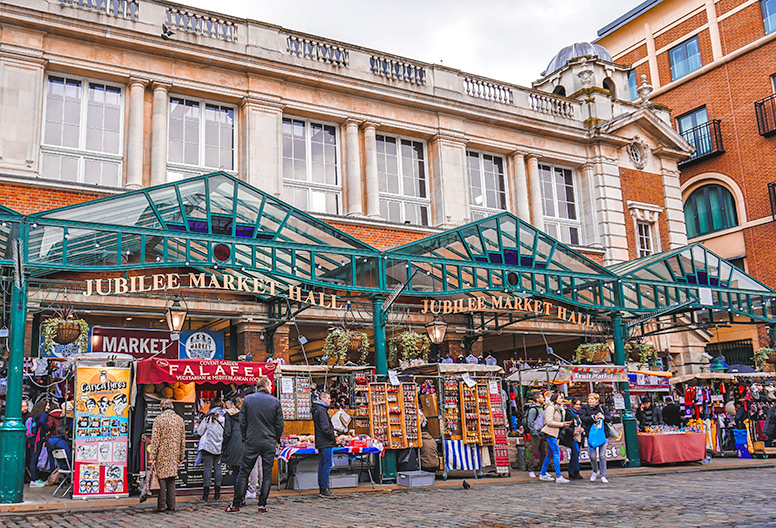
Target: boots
{"points": [[217, 493], [205, 493]]}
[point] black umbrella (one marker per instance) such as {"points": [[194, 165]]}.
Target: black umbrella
{"points": [[740, 369]]}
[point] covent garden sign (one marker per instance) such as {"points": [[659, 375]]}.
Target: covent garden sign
{"points": [[208, 281]]}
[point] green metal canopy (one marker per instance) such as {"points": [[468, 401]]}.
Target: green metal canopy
{"points": [[213, 221], [501, 254]]}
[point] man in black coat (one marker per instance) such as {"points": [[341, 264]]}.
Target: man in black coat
{"points": [[672, 413], [261, 426], [325, 440], [648, 414]]}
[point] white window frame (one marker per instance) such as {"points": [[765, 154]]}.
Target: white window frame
{"points": [[645, 214], [559, 221], [482, 211], [403, 199], [81, 153], [177, 170], [647, 234], [310, 185]]}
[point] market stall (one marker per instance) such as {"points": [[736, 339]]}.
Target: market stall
{"points": [[192, 384], [360, 440], [671, 447], [465, 411]]}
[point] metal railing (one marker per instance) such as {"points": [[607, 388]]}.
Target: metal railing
{"points": [[488, 90], [317, 50], [119, 8], [707, 140], [397, 69], [772, 198], [201, 24], [765, 110]]}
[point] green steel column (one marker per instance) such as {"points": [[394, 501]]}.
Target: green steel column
{"points": [[628, 420], [12, 429], [381, 366]]}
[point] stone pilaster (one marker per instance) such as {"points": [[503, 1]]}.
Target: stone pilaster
{"points": [[159, 133], [352, 171], [262, 145], [519, 203], [372, 181], [448, 182], [135, 134], [674, 208], [537, 211]]}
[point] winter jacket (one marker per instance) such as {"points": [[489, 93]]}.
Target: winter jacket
{"points": [[429, 457], [211, 432], [59, 442], [586, 414], [531, 413], [648, 417], [566, 436], [672, 415], [261, 420], [324, 430], [168, 444], [553, 420], [770, 423], [232, 448]]}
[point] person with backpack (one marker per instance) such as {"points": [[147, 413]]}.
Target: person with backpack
{"points": [[537, 447], [211, 433], [593, 413], [553, 423], [37, 430]]}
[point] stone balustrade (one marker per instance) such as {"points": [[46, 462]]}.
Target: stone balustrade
{"points": [[488, 90], [201, 24], [397, 69], [317, 50], [120, 8], [548, 104]]}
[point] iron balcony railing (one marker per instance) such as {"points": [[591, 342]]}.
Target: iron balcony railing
{"points": [[765, 109], [707, 140]]}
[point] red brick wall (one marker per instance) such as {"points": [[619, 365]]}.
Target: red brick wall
{"points": [[741, 28], [664, 63], [633, 56], [680, 30], [645, 187], [379, 237], [27, 199]]}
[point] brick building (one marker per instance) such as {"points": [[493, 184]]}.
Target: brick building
{"points": [[711, 63], [97, 99]]}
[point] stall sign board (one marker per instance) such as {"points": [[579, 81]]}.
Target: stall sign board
{"points": [[201, 344], [101, 432], [639, 380], [141, 343], [597, 373], [185, 410], [157, 370]]}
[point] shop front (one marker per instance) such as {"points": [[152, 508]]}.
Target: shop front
{"points": [[252, 277]]}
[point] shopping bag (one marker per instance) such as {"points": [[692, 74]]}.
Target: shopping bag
{"points": [[597, 436], [145, 487], [611, 432], [198, 460]]}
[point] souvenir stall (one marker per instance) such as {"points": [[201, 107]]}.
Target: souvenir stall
{"points": [[361, 440], [710, 398], [465, 411], [192, 384]]}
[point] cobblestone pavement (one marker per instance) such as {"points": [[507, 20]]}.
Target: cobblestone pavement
{"points": [[742, 498]]}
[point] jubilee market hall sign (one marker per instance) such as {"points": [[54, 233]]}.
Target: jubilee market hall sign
{"points": [[209, 281]]}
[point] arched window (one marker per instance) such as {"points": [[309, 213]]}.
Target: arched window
{"points": [[560, 90], [609, 85], [709, 208]]}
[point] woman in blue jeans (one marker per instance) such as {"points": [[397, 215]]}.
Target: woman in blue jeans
{"points": [[553, 423]]}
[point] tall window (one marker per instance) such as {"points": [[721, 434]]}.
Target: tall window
{"points": [[708, 209], [646, 245], [487, 190], [685, 58], [201, 138], [633, 85], [82, 132], [561, 219], [310, 166], [691, 128], [401, 168], [769, 15]]}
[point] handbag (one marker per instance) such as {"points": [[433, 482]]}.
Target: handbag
{"points": [[145, 488], [597, 436], [611, 432]]}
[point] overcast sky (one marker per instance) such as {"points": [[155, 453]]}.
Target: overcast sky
{"points": [[508, 40]]}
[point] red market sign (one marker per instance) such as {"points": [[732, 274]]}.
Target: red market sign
{"points": [[138, 342], [158, 370]]}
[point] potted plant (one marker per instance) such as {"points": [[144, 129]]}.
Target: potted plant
{"points": [[412, 345], [340, 342], [647, 353], [591, 352], [64, 329], [763, 356]]}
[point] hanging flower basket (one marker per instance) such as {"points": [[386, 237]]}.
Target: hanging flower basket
{"points": [[764, 356], [408, 346], [591, 353], [646, 352], [65, 329], [340, 343]]}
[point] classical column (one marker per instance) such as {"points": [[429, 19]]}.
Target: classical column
{"points": [[135, 134], [716, 42], [537, 212], [372, 182], [519, 187], [448, 181], [159, 134], [262, 144], [654, 75], [353, 170]]}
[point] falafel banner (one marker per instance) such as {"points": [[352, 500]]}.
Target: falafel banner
{"points": [[160, 370], [101, 432]]}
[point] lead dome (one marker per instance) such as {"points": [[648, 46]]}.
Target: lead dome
{"points": [[580, 49]]}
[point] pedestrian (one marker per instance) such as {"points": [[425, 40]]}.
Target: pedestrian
{"points": [[167, 451], [37, 430], [553, 423], [60, 440], [593, 413], [537, 446], [325, 440], [232, 452], [261, 426], [211, 438], [648, 415], [672, 413], [25, 410], [572, 436]]}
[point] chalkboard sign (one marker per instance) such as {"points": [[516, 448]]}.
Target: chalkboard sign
{"points": [[185, 410]]}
